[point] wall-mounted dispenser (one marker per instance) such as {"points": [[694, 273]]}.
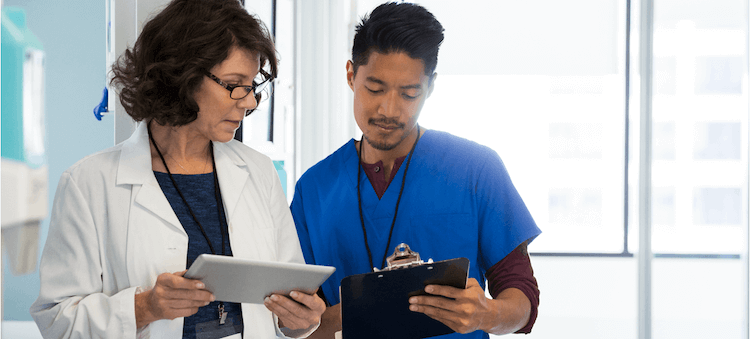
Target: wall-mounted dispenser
{"points": [[24, 167]]}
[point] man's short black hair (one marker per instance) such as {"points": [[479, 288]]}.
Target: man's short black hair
{"points": [[398, 27]]}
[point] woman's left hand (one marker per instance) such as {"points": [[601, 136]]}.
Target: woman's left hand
{"points": [[301, 311]]}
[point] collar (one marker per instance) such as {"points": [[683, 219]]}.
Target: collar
{"points": [[134, 168]]}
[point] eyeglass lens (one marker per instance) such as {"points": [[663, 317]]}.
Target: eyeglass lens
{"points": [[259, 88]]}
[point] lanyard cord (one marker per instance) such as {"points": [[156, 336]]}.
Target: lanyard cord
{"points": [[217, 195], [395, 213]]}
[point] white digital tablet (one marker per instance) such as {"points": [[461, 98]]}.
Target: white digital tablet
{"points": [[233, 279]]}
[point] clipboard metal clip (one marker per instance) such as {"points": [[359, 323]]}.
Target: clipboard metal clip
{"points": [[403, 257]]}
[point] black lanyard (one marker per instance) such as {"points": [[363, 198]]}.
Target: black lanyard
{"points": [[217, 196], [395, 213], [219, 209]]}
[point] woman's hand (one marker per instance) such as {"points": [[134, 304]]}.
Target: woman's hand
{"points": [[173, 296], [302, 311]]}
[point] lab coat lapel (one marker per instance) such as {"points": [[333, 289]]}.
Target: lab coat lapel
{"points": [[152, 198], [135, 169], [232, 177]]}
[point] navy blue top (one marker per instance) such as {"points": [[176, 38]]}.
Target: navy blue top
{"points": [[199, 192]]}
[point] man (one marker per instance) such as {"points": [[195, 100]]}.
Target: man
{"points": [[444, 196]]}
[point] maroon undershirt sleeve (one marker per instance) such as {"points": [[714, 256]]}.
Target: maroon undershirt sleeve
{"points": [[515, 271]]}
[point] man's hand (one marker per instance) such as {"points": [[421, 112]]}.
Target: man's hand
{"points": [[302, 311], [470, 310], [172, 296], [330, 323]]}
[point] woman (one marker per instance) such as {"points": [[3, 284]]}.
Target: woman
{"points": [[126, 222]]}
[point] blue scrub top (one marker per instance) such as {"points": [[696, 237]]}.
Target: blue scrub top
{"points": [[458, 201]]}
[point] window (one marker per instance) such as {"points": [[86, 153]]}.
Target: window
{"points": [[699, 110]]}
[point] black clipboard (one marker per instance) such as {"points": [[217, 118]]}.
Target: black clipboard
{"points": [[376, 305]]}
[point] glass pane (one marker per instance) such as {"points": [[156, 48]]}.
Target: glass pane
{"points": [[717, 141], [700, 125], [700, 167]]}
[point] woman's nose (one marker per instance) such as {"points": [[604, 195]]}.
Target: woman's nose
{"points": [[249, 102]]}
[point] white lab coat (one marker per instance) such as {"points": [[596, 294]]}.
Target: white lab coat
{"points": [[113, 230]]}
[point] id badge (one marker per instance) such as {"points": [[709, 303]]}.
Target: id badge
{"points": [[212, 330]]}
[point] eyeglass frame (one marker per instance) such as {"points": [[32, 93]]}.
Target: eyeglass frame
{"points": [[252, 88]]}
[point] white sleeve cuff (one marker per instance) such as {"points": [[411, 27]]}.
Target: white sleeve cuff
{"points": [[289, 333]]}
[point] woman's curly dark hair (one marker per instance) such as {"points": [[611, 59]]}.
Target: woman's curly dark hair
{"points": [[158, 76]]}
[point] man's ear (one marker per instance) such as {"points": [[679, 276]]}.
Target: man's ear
{"points": [[431, 84], [350, 74]]}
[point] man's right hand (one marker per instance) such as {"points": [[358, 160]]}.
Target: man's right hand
{"points": [[330, 323], [173, 296]]}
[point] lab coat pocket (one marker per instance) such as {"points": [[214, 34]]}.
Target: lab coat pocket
{"points": [[154, 247]]}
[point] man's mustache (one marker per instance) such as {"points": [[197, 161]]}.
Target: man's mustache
{"points": [[388, 122]]}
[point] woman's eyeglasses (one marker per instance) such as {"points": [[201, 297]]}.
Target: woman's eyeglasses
{"points": [[239, 92]]}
